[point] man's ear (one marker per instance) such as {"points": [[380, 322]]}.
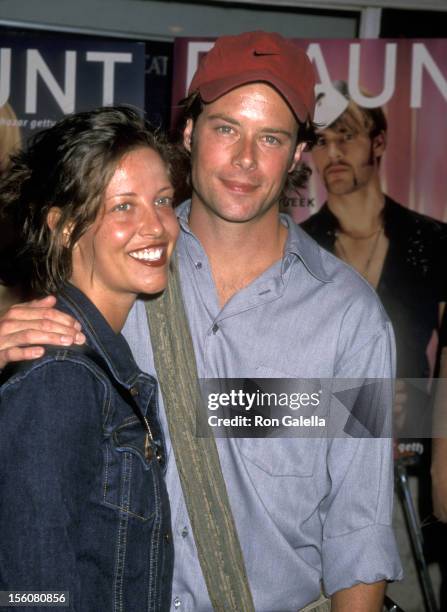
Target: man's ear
{"points": [[187, 134], [379, 144], [297, 156]]}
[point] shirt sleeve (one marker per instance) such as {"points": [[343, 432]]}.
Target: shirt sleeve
{"points": [[358, 540], [50, 420]]}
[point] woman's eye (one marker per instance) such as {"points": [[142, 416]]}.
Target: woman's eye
{"points": [[164, 201], [122, 207], [347, 136], [321, 141]]}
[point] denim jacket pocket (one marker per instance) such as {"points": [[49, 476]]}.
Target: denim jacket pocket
{"points": [[128, 476]]}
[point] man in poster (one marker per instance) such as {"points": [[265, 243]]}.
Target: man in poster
{"points": [[400, 252]]}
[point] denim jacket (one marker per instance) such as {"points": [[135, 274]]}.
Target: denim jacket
{"points": [[83, 503]]}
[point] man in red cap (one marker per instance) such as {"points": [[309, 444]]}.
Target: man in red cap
{"points": [[264, 301]]}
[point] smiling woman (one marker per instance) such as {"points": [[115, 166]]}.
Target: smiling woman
{"points": [[126, 251], [84, 505]]}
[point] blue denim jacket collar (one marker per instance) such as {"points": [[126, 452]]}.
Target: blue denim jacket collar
{"points": [[112, 347]]}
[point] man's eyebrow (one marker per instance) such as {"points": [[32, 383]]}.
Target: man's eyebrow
{"points": [[268, 130], [232, 121], [223, 117]]}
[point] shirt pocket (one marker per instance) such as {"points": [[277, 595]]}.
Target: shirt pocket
{"points": [[287, 456], [129, 480], [282, 456]]}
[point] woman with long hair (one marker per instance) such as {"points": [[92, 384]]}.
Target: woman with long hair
{"points": [[83, 504]]}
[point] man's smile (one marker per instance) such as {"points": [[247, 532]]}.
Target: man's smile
{"points": [[239, 186]]}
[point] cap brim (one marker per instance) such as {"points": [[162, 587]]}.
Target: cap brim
{"points": [[330, 105], [215, 89]]}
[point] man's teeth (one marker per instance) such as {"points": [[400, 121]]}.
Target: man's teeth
{"points": [[148, 254]]}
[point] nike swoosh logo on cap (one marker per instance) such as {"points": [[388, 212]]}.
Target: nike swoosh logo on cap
{"points": [[261, 53]]}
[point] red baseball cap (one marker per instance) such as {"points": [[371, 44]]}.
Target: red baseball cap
{"points": [[257, 56]]}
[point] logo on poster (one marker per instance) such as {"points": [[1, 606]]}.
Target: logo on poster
{"points": [[65, 96]]}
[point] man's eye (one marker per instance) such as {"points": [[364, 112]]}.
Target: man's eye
{"points": [[347, 136], [320, 141], [224, 129], [164, 201], [122, 207], [271, 140]]}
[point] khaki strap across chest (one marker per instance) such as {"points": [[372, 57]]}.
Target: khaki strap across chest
{"points": [[197, 459]]}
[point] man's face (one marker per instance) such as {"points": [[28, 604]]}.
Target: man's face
{"points": [[346, 161], [242, 147]]}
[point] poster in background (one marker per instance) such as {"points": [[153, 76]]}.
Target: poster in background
{"points": [[408, 78], [158, 80], [43, 78]]}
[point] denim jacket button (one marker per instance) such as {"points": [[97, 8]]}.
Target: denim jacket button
{"points": [[167, 537], [133, 391]]}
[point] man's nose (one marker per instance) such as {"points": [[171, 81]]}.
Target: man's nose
{"points": [[245, 155], [334, 150]]}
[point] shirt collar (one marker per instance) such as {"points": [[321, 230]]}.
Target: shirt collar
{"points": [[328, 223], [182, 212], [298, 244], [305, 248]]}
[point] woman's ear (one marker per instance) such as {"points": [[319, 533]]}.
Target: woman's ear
{"points": [[53, 218]]}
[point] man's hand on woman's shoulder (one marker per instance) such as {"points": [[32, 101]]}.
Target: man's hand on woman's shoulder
{"points": [[25, 328]]}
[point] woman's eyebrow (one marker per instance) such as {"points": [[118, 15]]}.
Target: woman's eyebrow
{"points": [[124, 193]]}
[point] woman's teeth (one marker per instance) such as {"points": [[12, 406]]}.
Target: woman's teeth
{"points": [[152, 254]]}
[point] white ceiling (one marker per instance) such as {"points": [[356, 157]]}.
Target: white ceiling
{"points": [[421, 5], [165, 20]]}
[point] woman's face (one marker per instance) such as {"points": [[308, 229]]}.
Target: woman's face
{"points": [[127, 249]]}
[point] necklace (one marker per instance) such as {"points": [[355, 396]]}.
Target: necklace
{"points": [[365, 270]]}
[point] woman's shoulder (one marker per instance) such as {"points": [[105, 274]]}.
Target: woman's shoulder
{"points": [[60, 396], [67, 365]]}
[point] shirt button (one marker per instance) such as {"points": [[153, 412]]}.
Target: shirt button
{"points": [[198, 265], [185, 532], [177, 603], [215, 328]]}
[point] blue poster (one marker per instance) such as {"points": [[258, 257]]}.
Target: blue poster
{"points": [[44, 78]]}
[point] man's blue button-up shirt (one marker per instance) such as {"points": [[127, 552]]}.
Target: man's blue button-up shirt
{"points": [[307, 510]]}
